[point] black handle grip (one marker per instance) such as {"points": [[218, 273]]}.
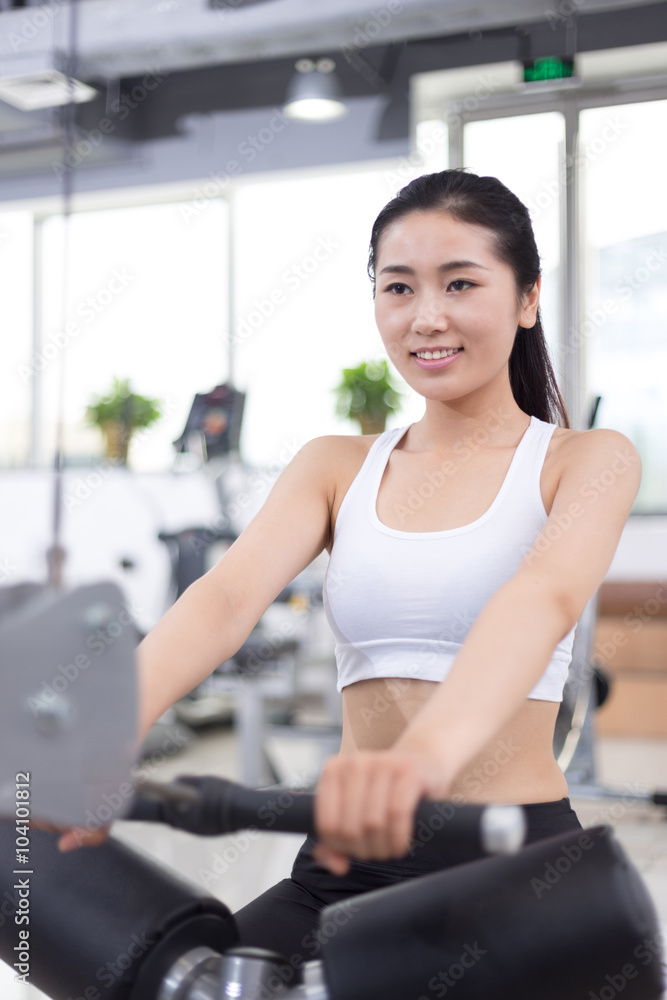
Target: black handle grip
{"points": [[211, 806]]}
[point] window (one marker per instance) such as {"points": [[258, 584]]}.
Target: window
{"points": [[147, 300], [16, 380], [495, 147], [304, 302], [623, 154]]}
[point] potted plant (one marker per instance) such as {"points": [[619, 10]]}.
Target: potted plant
{"points": [[119, 414], [366, 394]]}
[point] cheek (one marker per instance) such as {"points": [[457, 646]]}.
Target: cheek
{"points": [[386, 319]]}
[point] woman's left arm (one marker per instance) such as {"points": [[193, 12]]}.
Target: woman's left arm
{"points": [[512, 641], [502, 658]]}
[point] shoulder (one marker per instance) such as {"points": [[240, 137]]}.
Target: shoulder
{"points": [[578, 446], [332, 457], [597, 459], [331, 449], [336, 459]]}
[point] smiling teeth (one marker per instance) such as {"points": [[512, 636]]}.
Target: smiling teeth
{"points": [[434, 355]]}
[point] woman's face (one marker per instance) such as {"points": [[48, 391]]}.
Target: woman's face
{"points": [[440, 288]]}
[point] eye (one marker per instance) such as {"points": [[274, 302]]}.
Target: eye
{"points": [[459, 282], [397, 288]]}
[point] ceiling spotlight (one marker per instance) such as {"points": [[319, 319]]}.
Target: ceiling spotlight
{"points": [[314, 93]]}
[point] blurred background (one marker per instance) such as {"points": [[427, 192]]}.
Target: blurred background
{"points": [[187, 189]]}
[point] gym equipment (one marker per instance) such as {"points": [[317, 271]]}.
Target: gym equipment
{"points": [[68, 711], [586, 689], [574, 739], [263, 668], [563, 918], [213, 426]]}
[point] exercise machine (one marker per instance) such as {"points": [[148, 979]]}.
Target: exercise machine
{"points": [[559, 919], [562, 918]]}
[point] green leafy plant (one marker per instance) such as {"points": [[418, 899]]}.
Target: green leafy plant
{"points": [[118, 414], [367, 395]]}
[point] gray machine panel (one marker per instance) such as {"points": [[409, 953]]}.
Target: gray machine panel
{"points": [[68, 702]]}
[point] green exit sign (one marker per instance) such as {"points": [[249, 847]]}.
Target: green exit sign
{"points": [[549, 68]]}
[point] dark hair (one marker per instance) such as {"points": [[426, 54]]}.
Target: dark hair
{"points": [[485, 201]]}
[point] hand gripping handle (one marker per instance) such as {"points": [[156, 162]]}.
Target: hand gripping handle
{"points": [[211, 806]]}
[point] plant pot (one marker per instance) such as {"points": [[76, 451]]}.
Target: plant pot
{"points": [[371, 424], [116, 441]]}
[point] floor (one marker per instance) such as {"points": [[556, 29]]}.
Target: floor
{"points": [[237, 868]]}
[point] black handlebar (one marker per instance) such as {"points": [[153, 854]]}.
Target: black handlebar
{"points": [[211, 806]]}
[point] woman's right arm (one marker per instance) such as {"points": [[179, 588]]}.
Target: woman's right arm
{"points": [[215, 615]]}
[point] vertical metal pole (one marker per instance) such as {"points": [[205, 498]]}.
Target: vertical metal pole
{"points": [[572, 347], [455, 136], [231, 306], [55, 555], [37, 338]]}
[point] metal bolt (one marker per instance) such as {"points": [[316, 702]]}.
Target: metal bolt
{"points": [[98, 614], [53, 715]]}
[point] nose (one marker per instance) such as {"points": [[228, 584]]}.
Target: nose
{"points": [[430, 314]]}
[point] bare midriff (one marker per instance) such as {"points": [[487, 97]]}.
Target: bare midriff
{"points": [[517, 765]]}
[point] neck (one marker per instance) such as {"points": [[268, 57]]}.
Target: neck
{"points": [[493, 422]]}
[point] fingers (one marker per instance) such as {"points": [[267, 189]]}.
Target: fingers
{"points": [[337, 863], [79, 837], [364, 807], [72, 837], [38, 824], [378, 828]]}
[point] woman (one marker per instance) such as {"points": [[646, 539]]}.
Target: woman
{"points": [[463, 551]]}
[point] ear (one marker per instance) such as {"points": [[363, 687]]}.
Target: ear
{"points": [[531, 300]]}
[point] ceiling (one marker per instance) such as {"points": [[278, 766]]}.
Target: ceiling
{"points": [[122, 38], [240, 54]]}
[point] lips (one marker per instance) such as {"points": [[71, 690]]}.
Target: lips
{"points": [[436, 363], [441, 352]]}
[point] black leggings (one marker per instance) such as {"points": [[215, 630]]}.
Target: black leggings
{"points": [[285, 918]]}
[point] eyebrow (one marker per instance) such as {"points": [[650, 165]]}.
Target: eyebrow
{"points": [[452, 265]]}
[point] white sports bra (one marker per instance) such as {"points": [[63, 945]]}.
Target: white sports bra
{"points": [[400, 603]]}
